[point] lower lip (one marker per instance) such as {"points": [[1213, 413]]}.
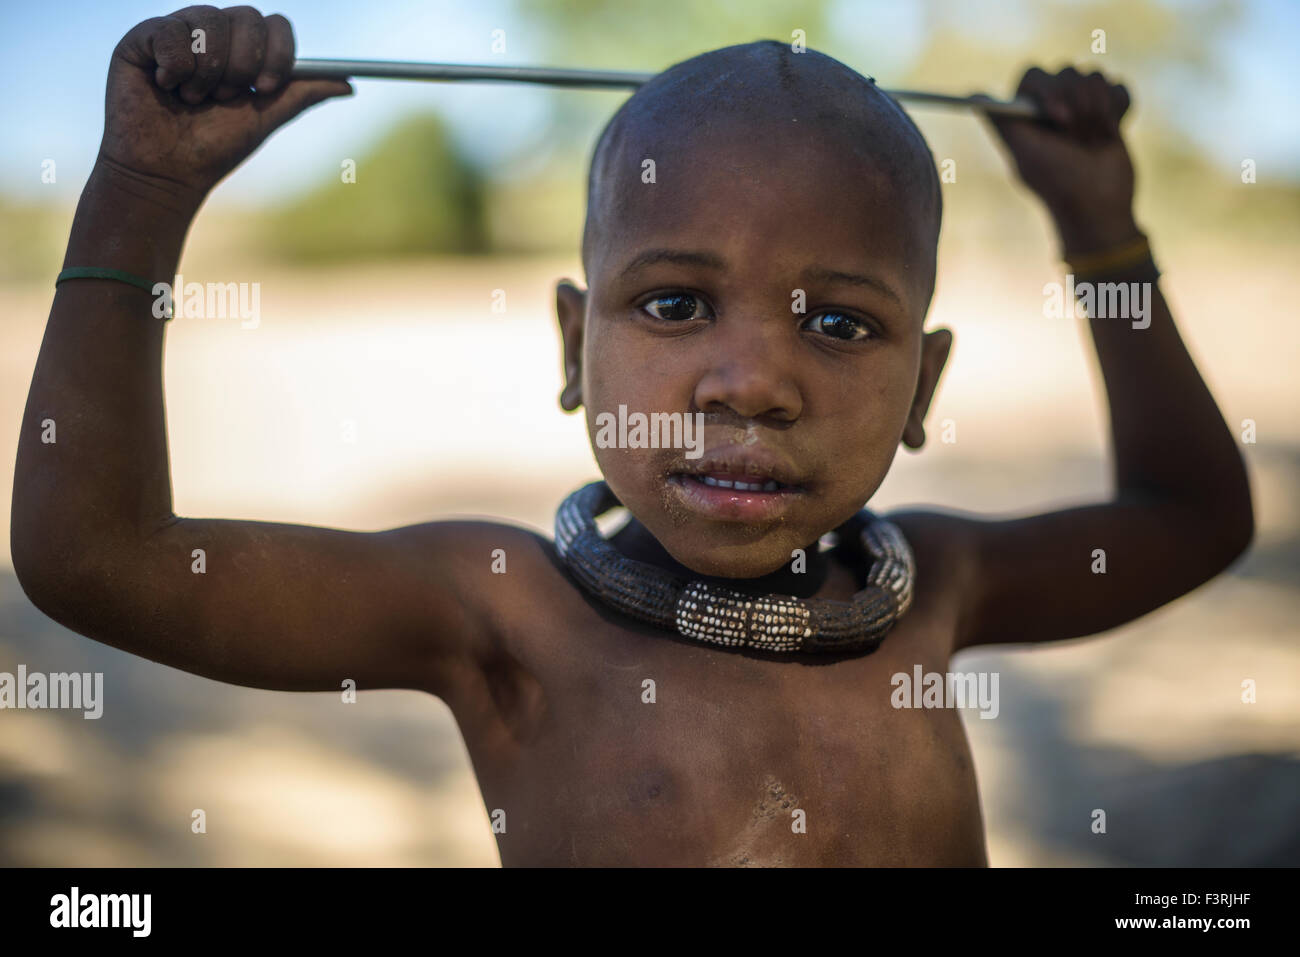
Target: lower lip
{"points": [[731, 504]]}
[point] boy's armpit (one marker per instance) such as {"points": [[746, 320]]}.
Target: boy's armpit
{"points": [[1064, 574], [292, 607]]}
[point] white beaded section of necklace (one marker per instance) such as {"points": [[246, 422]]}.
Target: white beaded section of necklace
{"points": [[725, 617]]}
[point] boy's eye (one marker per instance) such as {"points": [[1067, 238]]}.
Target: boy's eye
{"points": [[676, 307], [839, 326]]}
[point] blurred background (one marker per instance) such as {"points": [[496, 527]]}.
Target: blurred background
{"points": [[380, 388]]}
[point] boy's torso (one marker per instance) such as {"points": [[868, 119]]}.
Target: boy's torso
{"points": [[597, 741]]}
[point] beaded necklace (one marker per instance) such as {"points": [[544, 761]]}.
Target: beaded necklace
{"points": [[717, 615]]}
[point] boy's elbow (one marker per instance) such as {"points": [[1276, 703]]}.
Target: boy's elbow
{"points": [[1235, 530], [49, 580], [1243, 533], [34, 571], [32, 548], [1226, 513], [33, 577]]}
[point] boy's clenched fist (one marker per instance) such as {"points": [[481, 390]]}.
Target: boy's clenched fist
{"points": [[190, 95], [1077, 163]]}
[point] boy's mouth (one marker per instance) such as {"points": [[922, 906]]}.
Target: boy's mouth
{"points": [[718, 481], [746, 486]]}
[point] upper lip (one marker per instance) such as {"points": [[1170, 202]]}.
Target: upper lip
{"points": [[742, 463]]}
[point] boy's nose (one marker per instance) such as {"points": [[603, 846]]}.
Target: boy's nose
{"points": [[750, 374]]}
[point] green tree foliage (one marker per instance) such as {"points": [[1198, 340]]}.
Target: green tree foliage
{"points": [[31, 239], [414, 193]]}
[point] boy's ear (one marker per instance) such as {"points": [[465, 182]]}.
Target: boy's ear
{"points": [[570, 307], [935, 347]]}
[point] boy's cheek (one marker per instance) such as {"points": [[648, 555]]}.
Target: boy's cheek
{"points": [[631, 476], [637, 383], [864, 445], [620, 473]]}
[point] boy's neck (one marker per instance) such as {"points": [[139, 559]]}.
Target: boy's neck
{"points": [[635, 541]]}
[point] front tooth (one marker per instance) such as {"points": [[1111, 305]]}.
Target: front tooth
{"points": [[768, 486]]}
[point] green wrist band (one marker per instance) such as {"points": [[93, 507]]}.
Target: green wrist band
{"points": [[96, 272]]}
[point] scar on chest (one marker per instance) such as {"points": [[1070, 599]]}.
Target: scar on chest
{"points": [[770, 813]]}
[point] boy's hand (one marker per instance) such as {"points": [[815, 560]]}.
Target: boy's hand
{"points": [[189, 117], [1076, 161]]}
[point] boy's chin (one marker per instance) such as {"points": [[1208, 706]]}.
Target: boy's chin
{"points": [[732, 561]]}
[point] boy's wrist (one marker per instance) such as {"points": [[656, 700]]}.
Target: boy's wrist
{"points": [[1087, 235], [164, 198], [131, 222]]}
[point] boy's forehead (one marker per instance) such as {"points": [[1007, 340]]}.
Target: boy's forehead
{"points": [[731, 188], [768, 140], [747, 163]]}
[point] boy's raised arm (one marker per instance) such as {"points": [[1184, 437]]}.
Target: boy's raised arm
{"points": [[95, 543], [1181, 510]]}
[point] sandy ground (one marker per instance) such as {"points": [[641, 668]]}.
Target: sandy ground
{"points": [[369, 397]]}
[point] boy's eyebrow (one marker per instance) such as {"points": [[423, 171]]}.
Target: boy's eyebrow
{"points": [[678, 257], [821, 274]]}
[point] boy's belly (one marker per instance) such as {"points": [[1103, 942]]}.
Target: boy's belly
{"points": [[646, 751]]}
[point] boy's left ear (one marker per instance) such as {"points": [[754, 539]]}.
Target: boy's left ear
{"points": [[570, 307], [935, 347]]}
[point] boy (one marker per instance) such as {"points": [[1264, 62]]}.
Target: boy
{"points": [[599, 733]]}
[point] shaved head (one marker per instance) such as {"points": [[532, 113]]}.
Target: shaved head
{"points": [[763, 93]]}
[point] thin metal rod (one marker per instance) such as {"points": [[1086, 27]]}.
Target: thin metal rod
{"points": [[588, 79]]}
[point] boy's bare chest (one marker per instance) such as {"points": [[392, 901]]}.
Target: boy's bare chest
{"points": [[605, 744]]}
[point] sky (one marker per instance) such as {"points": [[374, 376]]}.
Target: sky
{"points": [[53, 58]]}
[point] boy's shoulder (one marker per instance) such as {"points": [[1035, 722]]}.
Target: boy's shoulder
{"points": [[462, 589], [491, 566], [944, 548], [479, 551]]}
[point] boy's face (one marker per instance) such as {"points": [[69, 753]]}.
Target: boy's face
{"points": [[694, 282]]}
